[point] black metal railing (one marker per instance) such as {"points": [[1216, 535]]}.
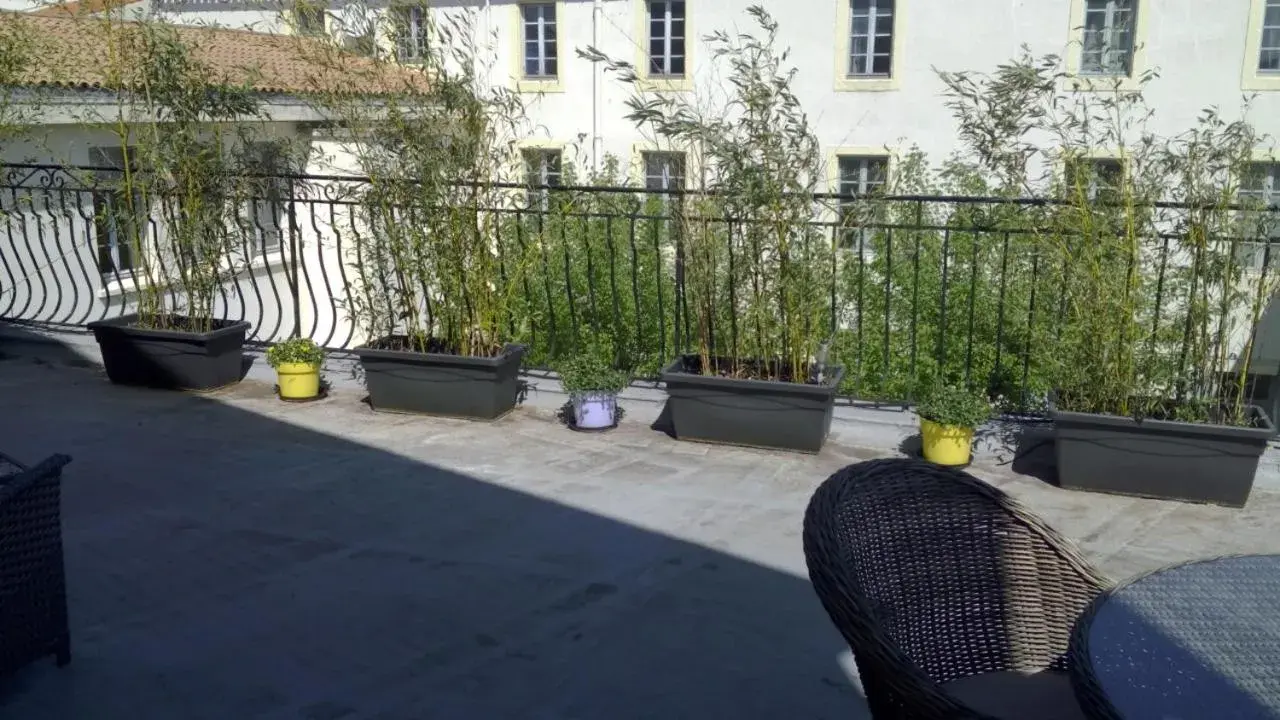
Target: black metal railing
{"points": [[912, 287]]}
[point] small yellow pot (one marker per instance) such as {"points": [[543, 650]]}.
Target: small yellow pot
{"points": [[298, 381], [945, 444]]}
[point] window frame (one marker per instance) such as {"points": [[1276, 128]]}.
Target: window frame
{"points": [[537, 83], [1251, 254], [104, 196], [1078, 80], [851, 236], [845, 81], [1252, 77], [411, 28], [305, 10], [546, 62], [1110, 29], [274, 200], [1095, 161], [667, 59], [535, 196], [682, 178], [876, 24], [647, 80]]}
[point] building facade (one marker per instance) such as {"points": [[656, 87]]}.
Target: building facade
{"points": [[867, 68]]}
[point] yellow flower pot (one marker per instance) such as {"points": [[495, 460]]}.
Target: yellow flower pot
{"points": [[298, 381], [945, 444]]}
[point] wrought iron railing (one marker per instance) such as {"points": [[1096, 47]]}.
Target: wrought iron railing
{"points": [[917, 287]]}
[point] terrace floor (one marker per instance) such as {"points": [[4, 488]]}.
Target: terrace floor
{"points": [[232, 556]]}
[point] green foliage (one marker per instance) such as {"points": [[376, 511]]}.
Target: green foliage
{"points": [[747, 251], [295, 350], [1139, 305], [955, 405], [431, 256], [19, 51], [187, 166], [589, 371]]}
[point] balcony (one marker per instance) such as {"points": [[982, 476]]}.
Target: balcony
{"points": [[232, 556]]}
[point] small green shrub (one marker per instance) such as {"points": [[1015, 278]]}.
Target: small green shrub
{"points": [[295, 350], [587, 372], [954, 405]]}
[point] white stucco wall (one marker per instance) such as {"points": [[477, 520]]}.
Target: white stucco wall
{"points": [[1199, 54]]}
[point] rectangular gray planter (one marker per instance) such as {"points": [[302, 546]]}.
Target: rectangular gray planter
{"points": [[1166, 459], [171, 359], [755, 413], [480, 388]]}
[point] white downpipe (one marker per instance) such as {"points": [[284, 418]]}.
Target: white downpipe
{"points": [[597, 142]]}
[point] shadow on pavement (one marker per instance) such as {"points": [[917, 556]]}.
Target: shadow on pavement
{"points": [[222, 564]]}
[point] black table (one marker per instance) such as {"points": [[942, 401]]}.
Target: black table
{"points": [[1199, 641]]}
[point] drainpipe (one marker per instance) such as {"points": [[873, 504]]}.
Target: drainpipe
{"points": [[597, 142], [488, 38]]}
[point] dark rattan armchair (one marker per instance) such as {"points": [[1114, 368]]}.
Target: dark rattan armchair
{"points": [[33, 587], [956, 601]]}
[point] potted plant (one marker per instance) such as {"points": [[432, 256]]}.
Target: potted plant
{"points": [[434, 289], [172, 211], [297, 363], [754, 269], [593, 386], [1150, 277], [949, 415], [1154, 386]]}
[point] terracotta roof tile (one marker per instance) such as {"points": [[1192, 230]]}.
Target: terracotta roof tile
{"points": [[80, 7], [95, 52]]}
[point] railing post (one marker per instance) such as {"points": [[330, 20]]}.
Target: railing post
{"points": [[292, 274]]}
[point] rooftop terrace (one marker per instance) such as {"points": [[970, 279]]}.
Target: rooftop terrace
{"points": [[232, 556]]}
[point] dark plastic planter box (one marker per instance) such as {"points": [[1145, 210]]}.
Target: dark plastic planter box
{"points": [[756, 413], [171, 359], [482, 388], [1194, 462]]}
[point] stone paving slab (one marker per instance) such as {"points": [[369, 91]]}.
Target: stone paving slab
{"points": [[232, 556]]}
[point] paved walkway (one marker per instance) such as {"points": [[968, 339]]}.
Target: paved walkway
{"points": [[233, 557]]}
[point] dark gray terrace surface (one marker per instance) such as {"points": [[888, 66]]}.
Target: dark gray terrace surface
{"points": [[233, 557]]}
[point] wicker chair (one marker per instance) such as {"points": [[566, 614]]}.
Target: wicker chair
{"points": [[33, 588], [956, 601]]}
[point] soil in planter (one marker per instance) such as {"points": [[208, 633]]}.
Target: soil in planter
{"points": [[180, 323], [1190, 411], [431, 345], [748, 370]]}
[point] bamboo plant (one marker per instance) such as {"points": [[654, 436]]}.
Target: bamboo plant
{"points": [[434, 272], [181, 130], [1148, 310], [754, 270]]}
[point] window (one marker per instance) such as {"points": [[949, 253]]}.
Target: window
{"points": [[862, 174], [265, 209], [542, 169], [117, 217], [1107, 42], [308, 18], [1098, 178], [663, 170], [1269, 46], [1259, 190], [871, 38], [666, 38], [857, 176], [411, 34], [1260, 66], [538, 21]]}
